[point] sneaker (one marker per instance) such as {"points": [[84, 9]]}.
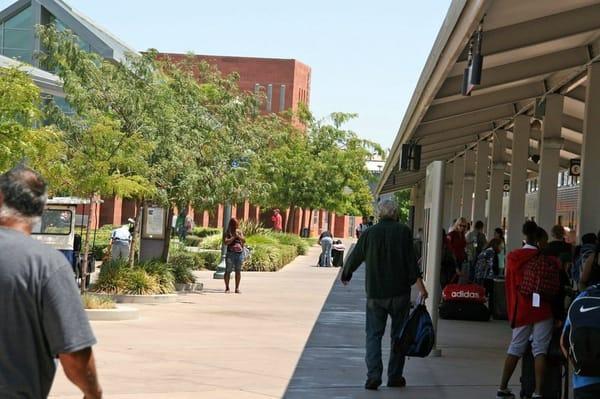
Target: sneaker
{"points": [[536, 396], [372, 385], [505, 394]]}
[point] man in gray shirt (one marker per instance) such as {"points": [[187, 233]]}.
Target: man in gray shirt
{"points": [[42, 315]]}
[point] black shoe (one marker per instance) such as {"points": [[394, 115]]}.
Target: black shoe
{"points": [[505, 394], [397, 382], [372, 384]]}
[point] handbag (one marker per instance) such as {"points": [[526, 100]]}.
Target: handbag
{"points": [[540, 277], [237, 247]]}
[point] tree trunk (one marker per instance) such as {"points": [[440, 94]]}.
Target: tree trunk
{"points": [[310, 221], [86, 245], [287, 219], [301, 221], [168, 231], [136, 231]]}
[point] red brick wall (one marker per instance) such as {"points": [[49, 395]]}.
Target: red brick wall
{"points": [[264, 71]]}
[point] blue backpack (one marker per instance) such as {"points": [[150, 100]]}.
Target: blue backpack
{"points": [[584, 334], [417, 337]]}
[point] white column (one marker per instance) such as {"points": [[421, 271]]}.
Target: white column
{"points": [[481, 181], [496, 182], [457, 187], [420, 207], [589, 217], [447, 219], [550, 162], [468, 185], [518, 182]]}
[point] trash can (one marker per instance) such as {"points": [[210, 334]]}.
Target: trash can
{"points": [[337, 257], [305, 233]]}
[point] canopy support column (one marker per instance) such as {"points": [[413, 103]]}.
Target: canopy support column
{"points": [[496, 182], [552, 143], [457, 187], [589, 217], [481, 181], [518, 182], [447, 219], [468, 185]]}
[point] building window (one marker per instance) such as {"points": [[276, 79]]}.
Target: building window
{"points": [[269, 97], [16, 36], [281, 98]]}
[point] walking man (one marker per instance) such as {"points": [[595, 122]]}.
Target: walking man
{"points": [[42, 316], [388, 252]]}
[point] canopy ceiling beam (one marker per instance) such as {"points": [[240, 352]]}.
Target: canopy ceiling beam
{"points": [[472, 119], [521, 70], [541, 30]]}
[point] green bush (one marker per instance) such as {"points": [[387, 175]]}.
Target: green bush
{"points": [[190, 260], [270, 257], [149, 278], [250, 228], [210, 259], [139, 282], [292, 239], [91, 301], [212, 242], [182, 274], [192, 240], [206, 231], [262, 239], [162, 273]]}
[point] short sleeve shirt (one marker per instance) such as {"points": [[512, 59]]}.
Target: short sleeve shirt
{"points": [[42, 315]]}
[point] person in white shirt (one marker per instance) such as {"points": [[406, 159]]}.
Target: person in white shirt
{"points": [[120, 241]]}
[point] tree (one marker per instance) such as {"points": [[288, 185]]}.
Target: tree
{"points": [[403, 200]]}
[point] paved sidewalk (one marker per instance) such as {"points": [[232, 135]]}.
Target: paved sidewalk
{"points": [[213, 345], [332, 365]]}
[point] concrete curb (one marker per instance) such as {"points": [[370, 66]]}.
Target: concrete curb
{"points": [[146, 299], [195, 287], [118, 314]]}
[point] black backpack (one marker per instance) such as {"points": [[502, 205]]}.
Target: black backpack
{"points": [[417, 337], [584, 334]]}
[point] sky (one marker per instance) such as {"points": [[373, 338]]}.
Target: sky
{"points": [[366, 56]]}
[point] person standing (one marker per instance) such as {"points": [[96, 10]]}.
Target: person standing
{"points": [[476, 243], [120, 240], [277, 221], [529, 315], [326, 242], [458, 244], [391, 269], [42, 315], [235, 241], [362, 227]]}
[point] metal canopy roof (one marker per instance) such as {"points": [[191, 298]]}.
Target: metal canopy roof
{"points": [[531, 49], [46, 81]]}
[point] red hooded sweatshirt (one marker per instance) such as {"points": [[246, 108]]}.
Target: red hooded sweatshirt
{"points": [[520, 308]]}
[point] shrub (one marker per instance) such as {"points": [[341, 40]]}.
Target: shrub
{"points": [[192, 240], [292, 239], [192, 261], [210, 258], [269, 257], [183, 274], [206, 231], [212, 242], [112, 277], [262, 239], [91, 301], [162, 273], [139, 282], [250, 228]]}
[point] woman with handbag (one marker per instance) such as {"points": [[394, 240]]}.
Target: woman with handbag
{"points": [[235, 241], [532, 281], [458, 244]]}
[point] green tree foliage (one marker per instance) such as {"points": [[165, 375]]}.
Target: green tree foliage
{"points": [[403, 199]]}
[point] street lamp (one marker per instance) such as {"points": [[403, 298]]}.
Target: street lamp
{"points": [[220, 271]]}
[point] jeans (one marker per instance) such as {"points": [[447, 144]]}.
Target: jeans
{"points": [[326, 245], [377, 313], [120, 250]]}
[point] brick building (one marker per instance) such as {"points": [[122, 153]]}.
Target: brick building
{"points": [[284, 82]]}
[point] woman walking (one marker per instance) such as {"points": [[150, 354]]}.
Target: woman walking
{"points": [[235, 241]]}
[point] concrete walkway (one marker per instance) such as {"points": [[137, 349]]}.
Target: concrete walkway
{"points": [[213, 345], [332, 365]]}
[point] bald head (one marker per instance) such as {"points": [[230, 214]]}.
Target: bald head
{"points": [[22, 193]]}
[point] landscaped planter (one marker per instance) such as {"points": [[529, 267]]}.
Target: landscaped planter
{"points": [[193, 287], [146, 299], [119, 313]]}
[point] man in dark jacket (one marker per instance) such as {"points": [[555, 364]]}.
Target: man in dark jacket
{"points": [[388, 252]]}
